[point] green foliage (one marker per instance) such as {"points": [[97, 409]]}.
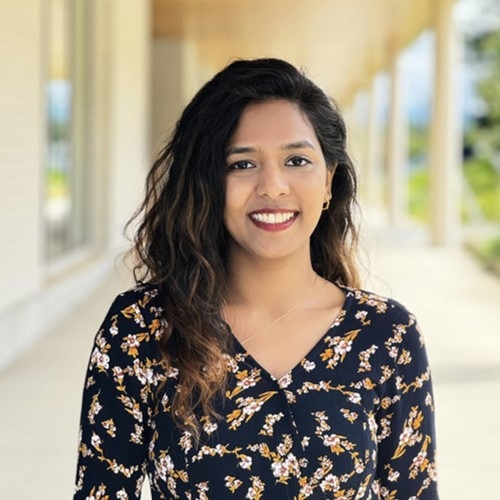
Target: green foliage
{"points": [[57, 184], [418, 142], [419, 195], [482, 178], [489, 253], [484, 181], [484, 50]]}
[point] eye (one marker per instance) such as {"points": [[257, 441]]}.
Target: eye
{"points": [[241, 165], [297, 161]]}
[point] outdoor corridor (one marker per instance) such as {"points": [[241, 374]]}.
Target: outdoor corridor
{"points": [[456, 302]]}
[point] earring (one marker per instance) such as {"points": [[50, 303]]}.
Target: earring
{"points": [[326, 203]]}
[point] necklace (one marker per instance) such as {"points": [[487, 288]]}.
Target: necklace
{"points": [[284, 315]]}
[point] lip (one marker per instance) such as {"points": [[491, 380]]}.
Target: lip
{"points": [[273, 225]]}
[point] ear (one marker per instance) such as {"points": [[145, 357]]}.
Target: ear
{"points": [[330, 172]]}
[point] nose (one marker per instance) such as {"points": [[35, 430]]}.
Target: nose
{"points": [[273, 182]]}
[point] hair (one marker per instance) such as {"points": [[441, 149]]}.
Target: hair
{"points": [[181, 243]]}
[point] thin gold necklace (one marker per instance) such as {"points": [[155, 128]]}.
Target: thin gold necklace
{"points": [[284, 315]]}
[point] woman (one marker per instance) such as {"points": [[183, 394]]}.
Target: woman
{"points": [[247, 363]]}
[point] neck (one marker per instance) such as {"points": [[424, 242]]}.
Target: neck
{"points": [[269, 285]]}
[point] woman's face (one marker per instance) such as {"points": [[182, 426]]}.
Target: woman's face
{"points": [[277, 181]]}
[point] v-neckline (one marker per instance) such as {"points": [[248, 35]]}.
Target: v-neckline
{"points": [[349, 296]]}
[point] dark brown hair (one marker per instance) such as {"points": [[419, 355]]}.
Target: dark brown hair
{"points": [[181, 242]]}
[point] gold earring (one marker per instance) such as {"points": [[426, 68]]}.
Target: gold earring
{"points": [[326, 203]]}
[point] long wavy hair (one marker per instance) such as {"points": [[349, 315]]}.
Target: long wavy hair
{"points": [[180, 244]]}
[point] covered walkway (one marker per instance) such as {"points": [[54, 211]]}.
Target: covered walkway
{"points": [[147, 59], [456, 302]]}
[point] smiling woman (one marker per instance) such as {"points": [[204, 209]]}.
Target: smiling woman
{"points": [[276, 184], [247, 362]]}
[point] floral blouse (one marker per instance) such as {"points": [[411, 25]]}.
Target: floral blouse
{"points": [[353, 420]]}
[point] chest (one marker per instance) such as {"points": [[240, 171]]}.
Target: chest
{"points": [[280, 348], [276, 437]]}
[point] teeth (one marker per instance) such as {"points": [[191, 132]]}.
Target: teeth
{"points": [[273, 218]]}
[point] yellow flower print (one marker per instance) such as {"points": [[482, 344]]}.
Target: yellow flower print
{"points": [[415, 385], [232, 484], [110, 427], [404, 357], [95, 408], [131, 343], [364, 359], [350, 416], [338, 347], [255, 491], [247, 408], [245, 381], [268, 427], [100, 494]]}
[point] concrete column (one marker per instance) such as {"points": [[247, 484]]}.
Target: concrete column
{"points": [[397, 148], [372, 143], [356, 117], [175, 79], [129, 111], [445, 130]]}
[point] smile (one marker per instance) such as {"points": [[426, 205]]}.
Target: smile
{"points": [[272, 218]]}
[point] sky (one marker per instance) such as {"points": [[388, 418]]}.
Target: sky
{"points": [[417, 63]]}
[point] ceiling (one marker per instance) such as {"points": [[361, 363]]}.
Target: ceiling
{"points": [[342, 43]]}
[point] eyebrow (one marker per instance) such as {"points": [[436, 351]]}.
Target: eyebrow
{"points": [[232, 150]]}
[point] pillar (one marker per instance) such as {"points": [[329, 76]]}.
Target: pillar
{"points": [[397, 148], [446, 130], [372, 143], [175, 79]]}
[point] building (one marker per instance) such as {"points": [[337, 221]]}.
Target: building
{"points": [[90, 88]]}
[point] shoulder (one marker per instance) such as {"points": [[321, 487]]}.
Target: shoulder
{"points": [[389, 339], [381, 317], [376, 304], [134, 323], [142, 300], [139, 308]]}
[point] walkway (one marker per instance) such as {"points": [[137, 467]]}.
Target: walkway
{"points": [[458, 306]]}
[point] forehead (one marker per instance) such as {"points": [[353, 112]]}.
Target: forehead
{"points": [[271, 122]]}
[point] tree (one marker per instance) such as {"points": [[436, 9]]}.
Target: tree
{"points": [[483, 54]]}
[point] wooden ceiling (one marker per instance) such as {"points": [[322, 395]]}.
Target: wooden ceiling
{"points": [[342, 43]]}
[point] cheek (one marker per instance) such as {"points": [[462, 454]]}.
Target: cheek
{"points": [[233, 201], [228, 197], [237, 191], [314, 189]]}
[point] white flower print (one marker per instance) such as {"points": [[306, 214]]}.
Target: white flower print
{"points": [[308, 366], [100, 359], [121, 495], [323, 430], [245, 462]]}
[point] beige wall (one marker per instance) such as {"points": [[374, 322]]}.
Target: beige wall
{"points": [[32, 296], [21, 135], [177, 73], [129, 87]]}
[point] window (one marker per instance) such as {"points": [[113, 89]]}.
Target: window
{"points": [[65, 213]]}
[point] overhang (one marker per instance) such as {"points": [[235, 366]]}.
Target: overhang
{"points": [[342, 43]]}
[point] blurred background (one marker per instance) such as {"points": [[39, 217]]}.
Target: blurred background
{"points": [[89, 90]]}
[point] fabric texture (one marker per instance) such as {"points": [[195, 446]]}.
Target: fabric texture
{"points": [[353, 420]]}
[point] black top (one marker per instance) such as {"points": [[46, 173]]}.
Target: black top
{"points": [[353, 420]]}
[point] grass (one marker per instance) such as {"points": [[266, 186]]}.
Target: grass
{"points": [[57, 184]]}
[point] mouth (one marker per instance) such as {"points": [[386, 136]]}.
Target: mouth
{"points": [[273, 220]]}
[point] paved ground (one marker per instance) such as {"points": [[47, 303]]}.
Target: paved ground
{"points": [[458, 306]]}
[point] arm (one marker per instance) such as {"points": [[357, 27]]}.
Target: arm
{"points": [[406, 435], [112, 452]]}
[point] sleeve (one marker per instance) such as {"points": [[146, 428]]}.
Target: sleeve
{"points": [[406, 467], [112, 451]]}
